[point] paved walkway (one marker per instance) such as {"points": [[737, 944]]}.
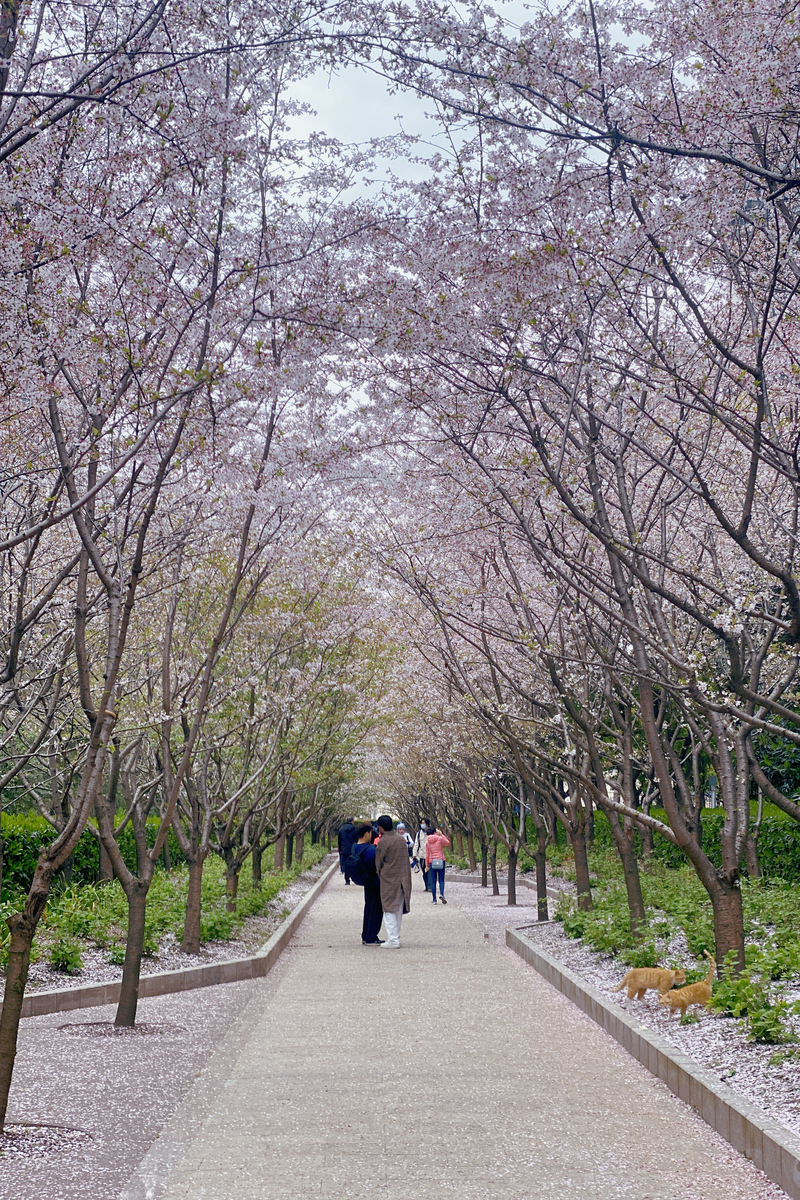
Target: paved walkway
{"points": [[445, 1069]]}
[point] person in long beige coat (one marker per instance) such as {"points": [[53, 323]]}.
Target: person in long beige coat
{"points": [[394, 872]]}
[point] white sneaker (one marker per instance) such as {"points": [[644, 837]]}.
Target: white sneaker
{"points": [[391, 946]]}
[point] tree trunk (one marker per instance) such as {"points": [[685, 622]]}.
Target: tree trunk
{"points": [[258, 852], [541, 875], [300, 846], [458, 841], [131, 969], [167, 856], [751, 857], [493, 862], [553, 826], [473, 862], [190, 943], [23, 927], [512, 878], [65, 870], [289, 850], [314, 835], [633, 886], [106, 868], [584, 889], [280, 849], [589, 806], [484, 865], [726, 900], [231, 888], [647, 842]]}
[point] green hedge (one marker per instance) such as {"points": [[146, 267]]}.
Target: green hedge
{"points": [[25, 835], [778, 842]]}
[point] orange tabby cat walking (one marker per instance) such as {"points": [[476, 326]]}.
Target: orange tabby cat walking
{"points": [[639, 979], [693, 993]]}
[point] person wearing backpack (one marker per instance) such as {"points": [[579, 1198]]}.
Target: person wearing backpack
{"points": [[346, 838], [361, 869]]}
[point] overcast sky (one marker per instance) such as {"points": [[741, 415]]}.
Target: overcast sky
{"points": [[355, 105]]}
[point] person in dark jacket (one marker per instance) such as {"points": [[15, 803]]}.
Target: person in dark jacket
{"points": [[346, 839], [363, 869]]}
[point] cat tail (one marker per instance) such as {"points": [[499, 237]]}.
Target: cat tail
{"points": [[620, 986]]}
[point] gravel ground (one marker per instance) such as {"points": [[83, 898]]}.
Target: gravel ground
{"points": [[716, 1042], [253, 934]]}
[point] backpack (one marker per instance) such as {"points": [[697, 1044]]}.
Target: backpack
{"points": [[355, 867]]}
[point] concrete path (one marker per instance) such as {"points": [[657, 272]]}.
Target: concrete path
{"points": [[444, 1069]]}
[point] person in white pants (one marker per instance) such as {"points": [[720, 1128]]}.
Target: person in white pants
{"points": [[394, 872], [392, 923]]}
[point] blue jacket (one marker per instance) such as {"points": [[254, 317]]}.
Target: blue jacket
{"points": [[346, 838]]}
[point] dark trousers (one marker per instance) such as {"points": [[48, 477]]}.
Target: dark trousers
{"points": [[432, 877], [373, 914], [342, 868]]}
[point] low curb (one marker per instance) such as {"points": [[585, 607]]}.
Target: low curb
{"points": [[774, 1149], [232, 970]]}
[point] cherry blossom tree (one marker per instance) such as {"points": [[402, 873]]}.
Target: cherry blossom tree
{"points": [[146, 293]]}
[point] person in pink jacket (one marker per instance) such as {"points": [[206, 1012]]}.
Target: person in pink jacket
{"points": [[434, 857]]}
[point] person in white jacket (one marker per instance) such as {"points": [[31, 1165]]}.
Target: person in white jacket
{"points": [[406, 836], [418, 851]]}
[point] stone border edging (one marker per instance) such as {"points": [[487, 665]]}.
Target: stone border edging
{"points": [[232, 970], [772, 1147]]}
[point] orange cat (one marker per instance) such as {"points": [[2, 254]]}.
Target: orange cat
{"points": [[639, 979], [693, 993]]}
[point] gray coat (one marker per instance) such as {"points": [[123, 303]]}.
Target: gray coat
{"points": [[394, 872]]}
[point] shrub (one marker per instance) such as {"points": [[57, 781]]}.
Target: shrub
{"points": [[778, 842], [737, 995], [607, 929], [571, 917], [65, 954], [773, 960], [769, 1025], [748, 996], [99, 914], [216, 925], [644, 954], [781, 1056], [25, 834]]}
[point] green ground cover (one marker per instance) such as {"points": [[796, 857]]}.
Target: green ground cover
{"points": [[677, 904], [79, 916]]}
